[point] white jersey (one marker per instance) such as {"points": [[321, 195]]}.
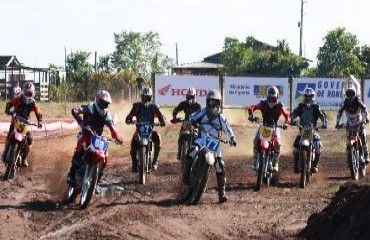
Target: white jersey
{"points": [[211, 127]]}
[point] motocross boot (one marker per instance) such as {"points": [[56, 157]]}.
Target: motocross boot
{"points": [[221, 181], [157, 149], [254, 163], [133, 161], [296, 159], [275, 164], [315, 164], [101, 173], [6, 149], [76, 160], [366, 154], [26, 151], [187, 169], [179, 150]]}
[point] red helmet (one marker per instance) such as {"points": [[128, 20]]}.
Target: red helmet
{"points": [[190, 94], [272, 95], [102, 101], [28, 90], [17, 91]]}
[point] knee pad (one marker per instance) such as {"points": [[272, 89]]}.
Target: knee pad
{"points": [[193, 150]]}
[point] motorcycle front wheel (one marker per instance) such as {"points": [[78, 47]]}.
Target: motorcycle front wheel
{"points": [[303, 159], [143, 164], [88, 185], [200, 184], [71, 195], [261, 166], [353, 158], [15, 155]]}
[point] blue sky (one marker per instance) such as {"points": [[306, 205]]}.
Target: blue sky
{"points": [[36, 31]]}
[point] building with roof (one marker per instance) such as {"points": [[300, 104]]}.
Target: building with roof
{"points": [[13, 73]]}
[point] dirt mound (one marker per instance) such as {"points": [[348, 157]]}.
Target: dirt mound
{"points": [[346, 217]]}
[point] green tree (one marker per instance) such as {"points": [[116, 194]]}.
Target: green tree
{"points": [[257, 58], [365, 59], [79, 71], [139, 52], [104, 63], [339, 56]]}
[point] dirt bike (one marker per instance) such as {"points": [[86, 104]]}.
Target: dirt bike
{"points": [[266, 143], [306, 153], [18, 141], [187, 134], [86, 176], [355, 155], [144, 151], [201, 167]]}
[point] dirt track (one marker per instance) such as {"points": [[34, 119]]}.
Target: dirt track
{"points": [[127, 210]]}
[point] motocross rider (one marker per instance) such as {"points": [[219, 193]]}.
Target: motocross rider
{"points": [[145, 111], [94, 116], [211, 122], [355, 110], [271, 109], [22, 106], [308, 112], [189, 106]]}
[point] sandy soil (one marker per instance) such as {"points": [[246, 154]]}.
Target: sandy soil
{"points": [[124, 209]]}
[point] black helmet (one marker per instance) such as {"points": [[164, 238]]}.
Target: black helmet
{"points": [[272, 96], [146, 95], [309, 96]]}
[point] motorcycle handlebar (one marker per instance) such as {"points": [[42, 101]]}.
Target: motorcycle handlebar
{"points": [[257, 120], [135, 122]]}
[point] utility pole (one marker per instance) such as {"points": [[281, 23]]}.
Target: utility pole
{"points": [[300, 25], [177, 56]]}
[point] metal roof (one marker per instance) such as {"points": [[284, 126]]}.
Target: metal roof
{"points": [[194, 65]]}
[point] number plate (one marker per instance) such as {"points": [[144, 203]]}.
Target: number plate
{"points": [[145, 130], [99, 143], [265, 132]]}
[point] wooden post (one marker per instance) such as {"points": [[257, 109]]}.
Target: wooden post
{"points": [[6, 79]]}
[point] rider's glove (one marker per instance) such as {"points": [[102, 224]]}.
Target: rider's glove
{"points": [[295, 122], [128, 121], [119, 140], [337, 125], [39, 124], [250, 117], [367, 121], [232, 141], [162, 123], [285, 126], [324, 126], [173, 120], [7, 111]]}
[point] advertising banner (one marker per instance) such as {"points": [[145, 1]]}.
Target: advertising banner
{"points": [[171, 89], [245, 91], [367, 92], [328, 91]]}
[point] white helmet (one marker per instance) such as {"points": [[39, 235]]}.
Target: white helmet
{"points": [[102, 101]]}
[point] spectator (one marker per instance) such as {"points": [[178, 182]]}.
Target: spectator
{"points": [[140, 82]]}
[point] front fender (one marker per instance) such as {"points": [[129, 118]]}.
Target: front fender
{"points": [[305, 142], [264, 144]]}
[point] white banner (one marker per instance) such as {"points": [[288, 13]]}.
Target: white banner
{"points": [[171, 89], [251, 90], [366, 93], [328, 91]]}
